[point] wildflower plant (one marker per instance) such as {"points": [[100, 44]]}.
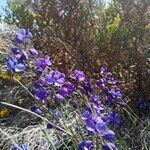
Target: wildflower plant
{"points": [[80, 111]]}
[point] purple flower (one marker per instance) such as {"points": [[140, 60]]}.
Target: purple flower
{"points": [[55, 77], [142, 105], [108, 135], [33, 52], [103, 70], [109, 75], [36, 110], [69, 86], [22, 35], [23, 57], [99, 120], [122, 104], [113, 118], [49, 126], [62, 92], [115, 93], [32, 89], [112, 81], [38, 71], [105, 89], [11, 62], [20, 147], [98, 106], [43, 62], [100, 82], [109, 146], [86, 115], [85, 145], [16, 50], [59, 97], [41, 94], [95, 124], [13, 65], [94, 98], [90, 125], [40, 63], [47, 60], [38, 83], [86, 87], [57, 114], [110, 99], [19, 67], [78, 75], [88, 119], [100, 126]]}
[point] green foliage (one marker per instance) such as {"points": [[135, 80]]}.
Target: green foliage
{"points": [[113, 25], [19, 16]]}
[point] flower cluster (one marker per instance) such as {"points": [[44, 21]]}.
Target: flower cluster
{"points": [[55, 81], [96, 120], [108, 86], [22, 35], [16, 61], [96, 115], [13, 65], [50, 85]]}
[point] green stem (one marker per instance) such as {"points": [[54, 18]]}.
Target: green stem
{"points": [[45, 119]]}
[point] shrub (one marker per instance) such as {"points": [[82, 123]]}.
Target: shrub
{"points": [[86, 35]]}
